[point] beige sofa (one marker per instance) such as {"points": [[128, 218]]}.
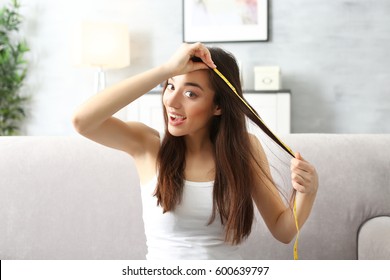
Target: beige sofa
{"points": [[70, 198]]}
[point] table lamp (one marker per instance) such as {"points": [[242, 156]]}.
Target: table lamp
{"points": [[101, 45]]}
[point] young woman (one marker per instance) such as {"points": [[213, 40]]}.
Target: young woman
{"points": [[202, 179]]}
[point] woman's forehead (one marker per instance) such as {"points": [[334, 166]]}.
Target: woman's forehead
{"points": [[199, 77]]}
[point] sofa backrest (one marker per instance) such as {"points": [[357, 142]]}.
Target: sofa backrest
{"points": [[70, 198]]}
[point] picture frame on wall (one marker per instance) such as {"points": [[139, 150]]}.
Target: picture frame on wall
{"points": [[225, 20]]}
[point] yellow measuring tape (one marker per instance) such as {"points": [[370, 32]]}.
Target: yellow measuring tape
{"points": [[297, 226], [284, 145]]}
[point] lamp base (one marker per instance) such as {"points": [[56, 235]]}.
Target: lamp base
{"points": [[100, 80]]}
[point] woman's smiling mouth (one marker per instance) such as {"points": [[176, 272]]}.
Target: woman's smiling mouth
{"points": [[175, 119]]}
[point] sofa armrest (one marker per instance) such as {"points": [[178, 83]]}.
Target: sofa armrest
{"points": [[374, 239]]}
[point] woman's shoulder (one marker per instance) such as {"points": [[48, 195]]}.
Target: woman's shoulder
{"points": [[254, 141], [257, 149]]}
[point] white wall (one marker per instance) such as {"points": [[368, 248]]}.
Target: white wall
{"points": [[334, 57], [56, 87]]}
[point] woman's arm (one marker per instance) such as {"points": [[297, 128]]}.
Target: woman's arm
{"points": [[94, 120], [278, 217], [304, 179], [103, 105]]}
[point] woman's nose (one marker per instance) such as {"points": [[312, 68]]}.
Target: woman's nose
{"points": [[172, 99]]}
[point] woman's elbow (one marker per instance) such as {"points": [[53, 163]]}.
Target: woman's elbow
{"points": [[285, 237], [286, 240], [79, 123]]}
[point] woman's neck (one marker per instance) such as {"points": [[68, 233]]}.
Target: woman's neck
{"points": [[198, 144], [199, 159]]}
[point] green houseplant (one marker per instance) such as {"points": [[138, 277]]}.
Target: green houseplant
{"points": [[13, 69]]}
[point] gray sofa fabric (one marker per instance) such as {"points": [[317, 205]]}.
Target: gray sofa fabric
{"points": [[70, 198], [374, 239]]}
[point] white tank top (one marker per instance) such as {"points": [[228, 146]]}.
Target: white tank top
{"points": [[184, 233]]}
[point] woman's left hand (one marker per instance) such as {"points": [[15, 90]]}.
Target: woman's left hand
{"points": [[304, 176]]}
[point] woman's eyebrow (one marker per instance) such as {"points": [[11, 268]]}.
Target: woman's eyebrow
{"points": [[193, 84]]}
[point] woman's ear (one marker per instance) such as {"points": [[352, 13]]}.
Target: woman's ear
{"points": [[217, 111]]}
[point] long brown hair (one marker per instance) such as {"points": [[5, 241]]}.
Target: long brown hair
{"points": [[235, 163]]}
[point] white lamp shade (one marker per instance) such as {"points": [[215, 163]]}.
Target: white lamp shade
{"points": [[101, 44]]}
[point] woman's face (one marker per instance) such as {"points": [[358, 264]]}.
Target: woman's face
{"points": [[188, 100]]}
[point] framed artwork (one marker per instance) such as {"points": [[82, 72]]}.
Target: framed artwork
{"points": [[225, 20]]}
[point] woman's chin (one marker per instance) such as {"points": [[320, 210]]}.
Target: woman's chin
{"points": [[174, 131]]}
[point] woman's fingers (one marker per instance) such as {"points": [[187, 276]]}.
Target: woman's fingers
{"points": [[303, 175], [203, 53], [182, 61]]}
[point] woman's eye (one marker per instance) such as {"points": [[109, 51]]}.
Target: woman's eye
{"points": [[190, 94], [170, 86]]}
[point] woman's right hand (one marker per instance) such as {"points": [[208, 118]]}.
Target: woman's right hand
{"points": [[181, 62]]}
